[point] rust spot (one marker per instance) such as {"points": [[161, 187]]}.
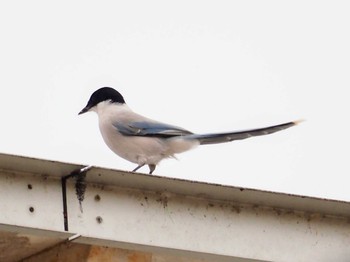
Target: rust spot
{"points": [[278, 211], [308, 217], [138, 257], [30, 186], [289, 212], [236, 209], [241, 189], [165, 202], [211, 205]]}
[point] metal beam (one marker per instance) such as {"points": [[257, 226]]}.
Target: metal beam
{"points": [[174, 217]]}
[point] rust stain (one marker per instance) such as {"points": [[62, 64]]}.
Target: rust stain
{"points": [[63, 252], [95, 251], [236, 209], [97, 254], [139, 257], [10, 243]]}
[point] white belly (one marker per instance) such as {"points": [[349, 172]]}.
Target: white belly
{"points": [[139, 150]]}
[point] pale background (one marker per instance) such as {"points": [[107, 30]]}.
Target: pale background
{"points": [[203, 65]]}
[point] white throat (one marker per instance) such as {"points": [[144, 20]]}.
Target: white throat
{"points": [[106, 107]]}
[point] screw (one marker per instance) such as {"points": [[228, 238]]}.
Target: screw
{"points": [[99, 219], [97, 198], [31, 209], [30, 186]]}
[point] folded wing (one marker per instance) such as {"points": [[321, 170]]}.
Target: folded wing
{"points": [[151, 129]]}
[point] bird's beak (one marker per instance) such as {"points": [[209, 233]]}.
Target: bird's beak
{"points": [[84, 110]]}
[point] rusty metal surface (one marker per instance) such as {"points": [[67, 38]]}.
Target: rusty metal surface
{"points": [[85, 253], [17, 246]]}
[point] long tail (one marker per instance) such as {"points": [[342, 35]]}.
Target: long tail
{"points": [[206, 139]]}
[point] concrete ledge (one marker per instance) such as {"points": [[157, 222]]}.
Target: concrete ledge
{"points": [[174, 217]]}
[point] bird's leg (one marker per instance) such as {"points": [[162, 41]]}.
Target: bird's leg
{"points": [[138, 167], [152, 167]]}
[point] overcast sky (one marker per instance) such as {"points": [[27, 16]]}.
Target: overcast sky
{"points": [[203, 65]]}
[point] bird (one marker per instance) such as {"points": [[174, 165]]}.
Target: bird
{"points": [[145, 141]]}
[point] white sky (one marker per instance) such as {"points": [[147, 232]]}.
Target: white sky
{"points": [[203, 65]]}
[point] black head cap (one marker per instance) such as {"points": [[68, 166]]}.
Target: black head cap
{"points": [[103, 94]]}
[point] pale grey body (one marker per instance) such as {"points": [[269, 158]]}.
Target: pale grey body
{"points": [[141, 150]]}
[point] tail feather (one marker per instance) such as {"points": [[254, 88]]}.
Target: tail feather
{"points": [[205, 139]]}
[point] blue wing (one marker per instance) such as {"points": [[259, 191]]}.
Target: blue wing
{"points": [[156, 129], [150, 129]]}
